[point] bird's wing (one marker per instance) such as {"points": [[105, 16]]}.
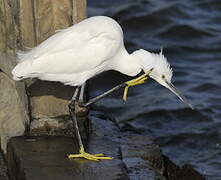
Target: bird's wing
{"points": [[73, 51]]}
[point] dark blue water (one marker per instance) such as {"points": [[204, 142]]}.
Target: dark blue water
{"points": [[190, 33]]}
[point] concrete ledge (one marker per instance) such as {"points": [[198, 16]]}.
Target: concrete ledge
{"points": [[44, 158]]}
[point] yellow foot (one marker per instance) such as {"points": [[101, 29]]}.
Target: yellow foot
{"points": [[140, 80], [83, 154]]}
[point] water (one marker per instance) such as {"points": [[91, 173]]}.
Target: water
{"points": [[190, 33]]}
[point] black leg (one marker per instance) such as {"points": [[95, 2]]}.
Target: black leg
{"points": [[95, 99], [73, 116], [74, 97], [139, 80]]}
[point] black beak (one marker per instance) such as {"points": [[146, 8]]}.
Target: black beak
{"points": [[172, 88]]}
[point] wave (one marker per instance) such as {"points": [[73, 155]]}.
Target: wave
{"points": [[205, 87]]}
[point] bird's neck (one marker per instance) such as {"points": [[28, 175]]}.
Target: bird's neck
{"points": [[127, 63]]}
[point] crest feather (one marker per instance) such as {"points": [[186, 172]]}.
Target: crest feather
{"points": [[155, 60], [162, 65]]}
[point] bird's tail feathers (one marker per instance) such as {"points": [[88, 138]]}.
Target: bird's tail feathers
{"points": [[22, 70]]}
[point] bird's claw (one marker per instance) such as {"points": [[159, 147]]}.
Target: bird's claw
{"points": [[140, 80], [83, 154]]}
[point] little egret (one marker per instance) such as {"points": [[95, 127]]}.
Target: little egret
{"points": [[76, 54]]}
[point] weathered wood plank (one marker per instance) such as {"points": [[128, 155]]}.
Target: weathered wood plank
{"points": [[10, 26], [7, 34], [79, 10], [27, 24], [3, 42], [51, 16]]}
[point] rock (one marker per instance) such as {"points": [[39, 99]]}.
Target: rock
{"points": [[61, 126], [49, 110], [141, 156], [27, 38], [136, 156], [37, 157], [49, 99], [3, 168], [58, 16], [13, 115], [142, 159], [7, 27], [79, 10], [7, 62], [174, 172], [7, 43], [45, 158]]}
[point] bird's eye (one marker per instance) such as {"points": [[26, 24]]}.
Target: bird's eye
{"points": [[163, 76]]}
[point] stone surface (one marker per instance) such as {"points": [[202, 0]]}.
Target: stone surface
{"points": [[79, 10], [136, 156], [49, 99], [186, 172], [51, 16], [37, 157], [62, 126], [6, 26], [7, 62], [3, 42], [45, 158], [49, 109], [3, 168], [27, 38], [7, 43], [13, 115], [142, 158]]}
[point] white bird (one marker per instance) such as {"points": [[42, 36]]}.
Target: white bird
{"points": [[76, 54]]}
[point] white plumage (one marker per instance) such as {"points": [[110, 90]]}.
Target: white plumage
{"points": [[79, 52]]}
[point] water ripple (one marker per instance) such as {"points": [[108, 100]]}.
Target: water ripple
{"points": [[189, 32]]}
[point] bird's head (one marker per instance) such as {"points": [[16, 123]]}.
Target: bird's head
{"points": [[160, 71]]}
